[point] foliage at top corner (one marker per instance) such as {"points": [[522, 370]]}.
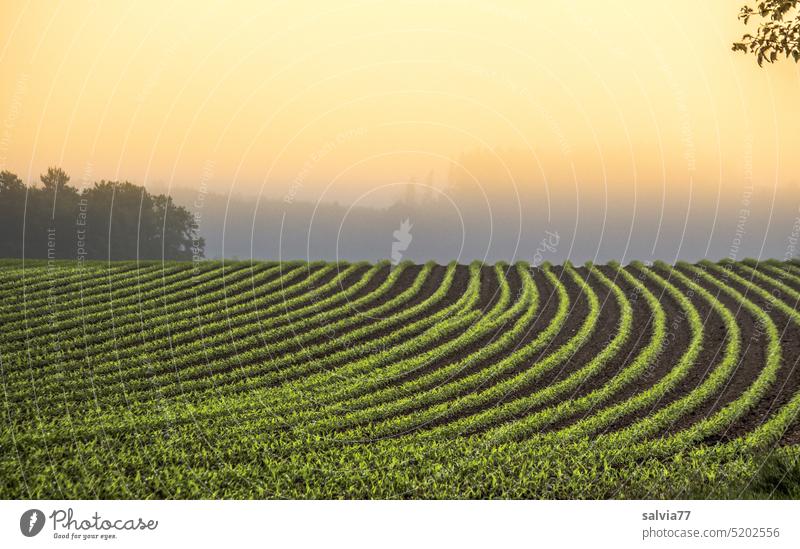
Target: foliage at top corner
{"points": [[778, 32]]}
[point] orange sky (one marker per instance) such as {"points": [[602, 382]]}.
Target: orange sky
{"points": [[339, 100]]}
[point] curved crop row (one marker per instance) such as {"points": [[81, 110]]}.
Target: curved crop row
{"points": [[358, 335], [111, 375], [124, 331], [665, 417], [297, 379], [99, 303]]}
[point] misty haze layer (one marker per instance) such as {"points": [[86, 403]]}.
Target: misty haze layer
{"points": [[757, 222]]}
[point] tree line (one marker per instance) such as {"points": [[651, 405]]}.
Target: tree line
{"points": [[109, 220]]}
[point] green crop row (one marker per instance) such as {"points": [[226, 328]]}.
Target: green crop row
{"points": [[663, 386], [652, 424], [125, 337], [292, 379], [101, 304], [124, 328], [109, 376], [380, 350]]}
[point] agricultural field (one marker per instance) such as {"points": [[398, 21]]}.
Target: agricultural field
{"points": [[357, 380]]}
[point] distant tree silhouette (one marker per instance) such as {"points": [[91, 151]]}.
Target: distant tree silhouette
{"points": [[12, 200], [110, 220], [777, 35]]}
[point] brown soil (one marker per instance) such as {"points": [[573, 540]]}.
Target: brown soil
{"points": [[708, 357], [788, 377], [549, 305]]}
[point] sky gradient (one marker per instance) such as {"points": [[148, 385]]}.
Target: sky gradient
{"points": [[339, 103]]}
